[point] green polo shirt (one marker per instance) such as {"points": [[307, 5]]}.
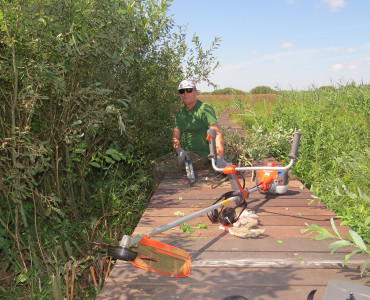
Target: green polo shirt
{"points": [[193, 125]]}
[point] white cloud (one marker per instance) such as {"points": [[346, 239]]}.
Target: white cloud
{"points": [[335, 4], [336, 68], [266, 58], [321, 56], [348, 50], [286, 45], [361, 64]]}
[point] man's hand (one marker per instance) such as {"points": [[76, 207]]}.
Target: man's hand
{"points": [[181, 156], [221, 162]]}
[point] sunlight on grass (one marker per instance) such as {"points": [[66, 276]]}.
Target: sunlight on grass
{"points": [[242, 108]]}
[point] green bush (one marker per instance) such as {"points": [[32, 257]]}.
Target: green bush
{"points": [[225, 91], [334, 154], [262, 90], [88, 96], [327, 88]]}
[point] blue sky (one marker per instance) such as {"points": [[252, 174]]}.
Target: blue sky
{"points": [[285, 44]]}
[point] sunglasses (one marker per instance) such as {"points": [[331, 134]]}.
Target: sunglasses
{"points": [[189, 90]]}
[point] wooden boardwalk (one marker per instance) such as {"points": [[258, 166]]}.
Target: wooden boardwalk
{"points": [[282, 264]]}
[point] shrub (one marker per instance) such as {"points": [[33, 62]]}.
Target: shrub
{"points": [[334, 150], [89, 91], [262, 90], [227, 91]]}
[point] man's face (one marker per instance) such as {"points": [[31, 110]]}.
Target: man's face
{"points": [[189, 98]]}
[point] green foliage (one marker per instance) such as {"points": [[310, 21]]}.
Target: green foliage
{"points": [[225, 91], [354, 210], [352, 240], [242, 108], [259, 144], [327, 88], [244, 111], [88, 95], [200, 63], [334, 155], [185, 227], [262, 89], [201, 225], [188, 229]]}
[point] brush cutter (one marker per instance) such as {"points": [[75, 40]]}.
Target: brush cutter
{"points": [[162, 258]]}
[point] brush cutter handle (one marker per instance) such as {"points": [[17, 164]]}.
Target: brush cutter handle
{"points": [[294, 151], [231, 169], [211, 138]]}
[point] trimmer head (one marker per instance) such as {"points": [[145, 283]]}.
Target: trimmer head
{"points": [[122, 253], [118, 252], [162, 258], [152, 255]]}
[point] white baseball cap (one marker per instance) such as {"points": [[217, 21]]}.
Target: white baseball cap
{"points": [[186, 84]]}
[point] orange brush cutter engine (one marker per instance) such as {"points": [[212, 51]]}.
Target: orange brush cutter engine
{"points": [[272, 181]]}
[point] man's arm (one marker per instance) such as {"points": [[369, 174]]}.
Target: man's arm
{"points": [[219, 140], [176, 139]]}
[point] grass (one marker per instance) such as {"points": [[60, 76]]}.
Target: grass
{"points": [[244, 109]]}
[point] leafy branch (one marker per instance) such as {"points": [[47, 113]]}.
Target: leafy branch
{"points": [[353, 240]]}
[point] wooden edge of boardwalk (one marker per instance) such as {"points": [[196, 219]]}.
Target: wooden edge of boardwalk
{"points": [[281, 264]]}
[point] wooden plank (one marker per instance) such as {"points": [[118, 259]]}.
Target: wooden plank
{"points": [[179, 291], [226, 242], [183, 200], [209, 178], [219, 190], [244, 276], [278, 231], [273, 259], [210, 189], [218, 283], [205, 182], [265, 220], [285, 211]]}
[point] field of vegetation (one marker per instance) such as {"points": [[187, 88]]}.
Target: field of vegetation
{"points": [[334, 155], [243, 107]]}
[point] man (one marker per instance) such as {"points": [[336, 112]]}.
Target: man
{"points": [[191, 125]]}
